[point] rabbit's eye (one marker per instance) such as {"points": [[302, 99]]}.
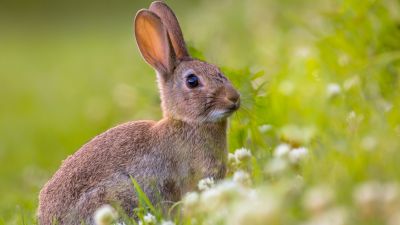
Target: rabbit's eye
{"points": [[192, 81]]}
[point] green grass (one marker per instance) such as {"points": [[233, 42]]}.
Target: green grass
{"points": [[69, 74]]}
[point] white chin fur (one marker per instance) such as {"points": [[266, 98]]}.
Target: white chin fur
{"points": [[217, 115]]}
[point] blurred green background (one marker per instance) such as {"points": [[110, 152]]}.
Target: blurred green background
{"points": [[70, 70]]}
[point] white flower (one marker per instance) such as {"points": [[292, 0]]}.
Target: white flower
{"points": [[191, 199], [333, 89], [318, 199], [336, 216], [276, 166], [390, 198], [214, 198], [105, 215], [242, 177], [367, 197], [210, 199], [149, 219], [262, 210], [281, 150], [297, 154], [242, 155], [264, 128], [205, 184], [231, 160], [167, 222]]}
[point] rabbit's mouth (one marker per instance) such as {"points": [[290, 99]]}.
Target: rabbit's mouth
{"points": [[220, 114], [235, 106]]}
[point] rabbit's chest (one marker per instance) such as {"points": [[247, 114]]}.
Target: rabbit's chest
{"points": [[202, 163]]}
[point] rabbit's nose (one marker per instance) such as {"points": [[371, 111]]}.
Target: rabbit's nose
{"points": [[233, 96]]}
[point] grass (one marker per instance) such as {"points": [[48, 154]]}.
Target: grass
{"points": [[320, 75]]}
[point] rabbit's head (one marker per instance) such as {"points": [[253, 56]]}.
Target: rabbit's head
{"points": [[191, 90]]}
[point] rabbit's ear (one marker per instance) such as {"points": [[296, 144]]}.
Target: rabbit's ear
{"points": [[174, 30], [153, 41]]}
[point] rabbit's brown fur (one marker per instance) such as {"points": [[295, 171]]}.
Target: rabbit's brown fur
{"points": [[167, 157]]}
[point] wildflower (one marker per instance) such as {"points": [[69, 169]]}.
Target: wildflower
{"points": [[257, 211], [191, 199], [149, 219], [167, 222], [336, 216], [297, 154], [205, 183], [367, 197], [390, 198], [264, 128], [282, 150], [210, 199], [105, 215], [231, 160], [242, 177], [276, 166], [242, 155], [318, 199], [333, 89], [215, 197]]}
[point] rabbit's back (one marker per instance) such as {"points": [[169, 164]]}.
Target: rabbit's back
{"points": [[96, 174]]}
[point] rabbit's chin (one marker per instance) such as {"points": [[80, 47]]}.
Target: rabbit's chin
{"points": [[218, 115]]}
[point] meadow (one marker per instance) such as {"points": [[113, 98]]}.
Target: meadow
{"points": [[317, 138]]}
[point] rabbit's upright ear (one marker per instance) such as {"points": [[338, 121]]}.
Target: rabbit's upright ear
{"points": [[174, 30], [153, 41]]}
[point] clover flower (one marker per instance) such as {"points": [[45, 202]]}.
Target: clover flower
{"points": [[281, 150], [318, 199], [105, 215], [297, 154], [367, 197], [333, 90], [335, 216], [221, 194], [276, 166], [191, 199], [205, 184], [149, 219], [168, 222], [231, 161], [264, 209], [242, 177], [242, 155]]}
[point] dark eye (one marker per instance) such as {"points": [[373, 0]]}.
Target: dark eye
{"points": [[192, 81]]}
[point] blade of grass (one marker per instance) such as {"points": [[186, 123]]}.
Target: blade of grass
{"points": [[144, 201]]}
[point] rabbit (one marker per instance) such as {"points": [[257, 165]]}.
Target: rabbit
{"points": [[168, 157]]}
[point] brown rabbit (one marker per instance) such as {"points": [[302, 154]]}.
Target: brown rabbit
{"points": [[167, 158]]}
